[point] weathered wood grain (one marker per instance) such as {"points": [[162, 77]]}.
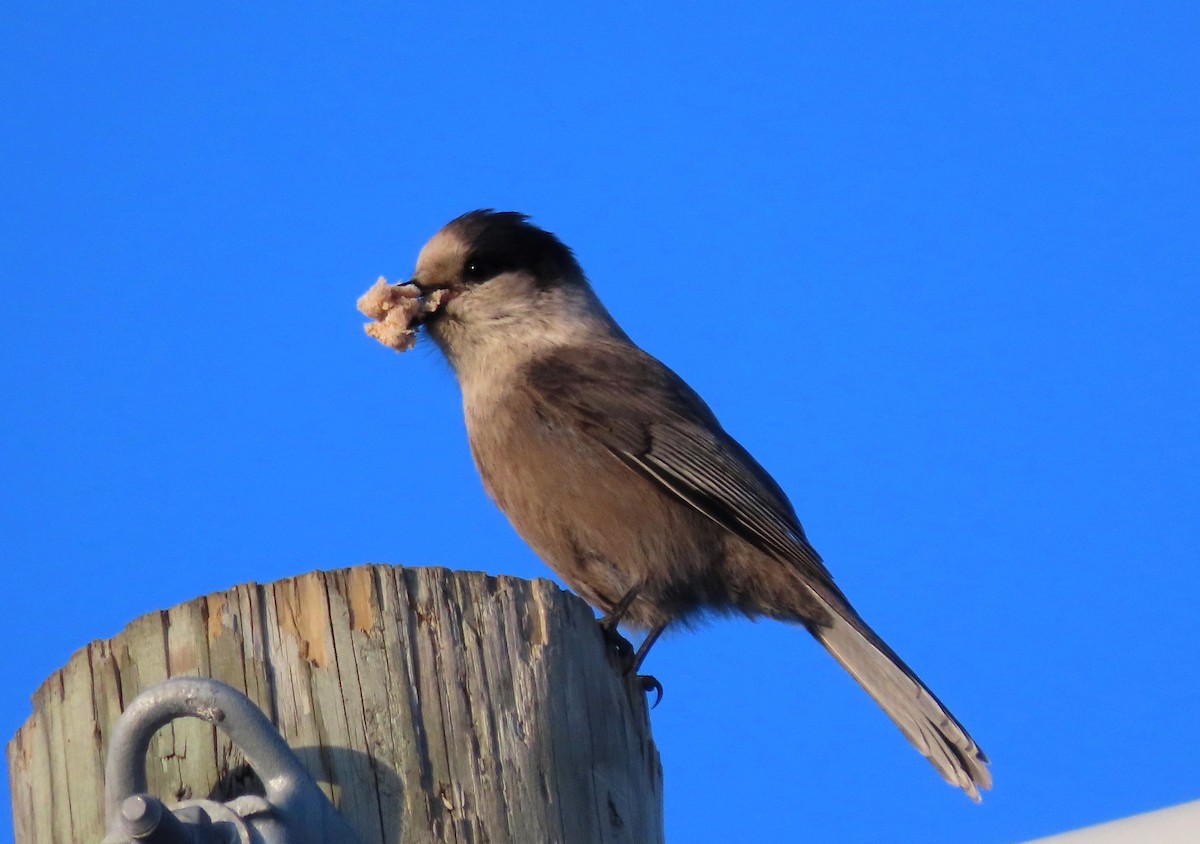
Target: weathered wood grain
{"points": [[431, 705]]}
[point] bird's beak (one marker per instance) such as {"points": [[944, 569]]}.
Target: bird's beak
{"points": [[439, 296]]}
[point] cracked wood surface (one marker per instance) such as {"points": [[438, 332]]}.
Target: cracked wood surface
{"points": [[431, 705]]}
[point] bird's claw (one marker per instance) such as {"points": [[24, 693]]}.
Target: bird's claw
{"points": [[629, 661], [620, 645], [651, 684]]}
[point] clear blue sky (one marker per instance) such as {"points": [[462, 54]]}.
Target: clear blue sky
{"points": [[937, 265]]}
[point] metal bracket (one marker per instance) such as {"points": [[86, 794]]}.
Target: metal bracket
{"points": [[293, 811]]}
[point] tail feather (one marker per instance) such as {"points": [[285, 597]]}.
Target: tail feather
{"points": [[907, 701]]}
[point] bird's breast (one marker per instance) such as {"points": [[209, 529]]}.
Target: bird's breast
{"points": [[601, 526]]}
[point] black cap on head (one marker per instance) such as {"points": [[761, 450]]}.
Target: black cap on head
{"points": [[505, 241]]}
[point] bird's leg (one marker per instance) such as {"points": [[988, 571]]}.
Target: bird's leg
{"points": [[608, 626], [614, 616], [647, 643], [649, 682], [630, 659]]}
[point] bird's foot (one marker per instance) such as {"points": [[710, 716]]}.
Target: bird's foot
{"points": [[629, 661], [621, 646], [651, 684]]}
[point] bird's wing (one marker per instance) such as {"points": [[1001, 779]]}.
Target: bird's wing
{"points": [[649, 418], [646, 416]]}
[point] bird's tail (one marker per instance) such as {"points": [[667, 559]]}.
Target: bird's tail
{"points": [[907, 701]]}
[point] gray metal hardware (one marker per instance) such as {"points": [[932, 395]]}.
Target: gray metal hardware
{"points": [[293, 811]]}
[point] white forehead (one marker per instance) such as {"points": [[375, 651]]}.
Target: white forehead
{"points": [[444, 253]]}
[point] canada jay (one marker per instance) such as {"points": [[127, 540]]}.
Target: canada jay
{"points": [[621, 478]]}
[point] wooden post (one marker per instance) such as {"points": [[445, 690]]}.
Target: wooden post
{"points": [[431, 705]]}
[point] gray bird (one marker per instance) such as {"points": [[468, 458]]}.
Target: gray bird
{"points": [[620, 477]]}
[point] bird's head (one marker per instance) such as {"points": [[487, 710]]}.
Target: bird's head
{"points": [[508, 284]]}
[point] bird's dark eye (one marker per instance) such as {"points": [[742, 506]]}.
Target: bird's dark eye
{"points": [[482, 267]]}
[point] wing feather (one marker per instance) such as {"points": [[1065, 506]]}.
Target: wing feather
{"points": [[650, 419]]}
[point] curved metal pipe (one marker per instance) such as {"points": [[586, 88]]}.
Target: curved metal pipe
{"points": [[300, 811]]}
